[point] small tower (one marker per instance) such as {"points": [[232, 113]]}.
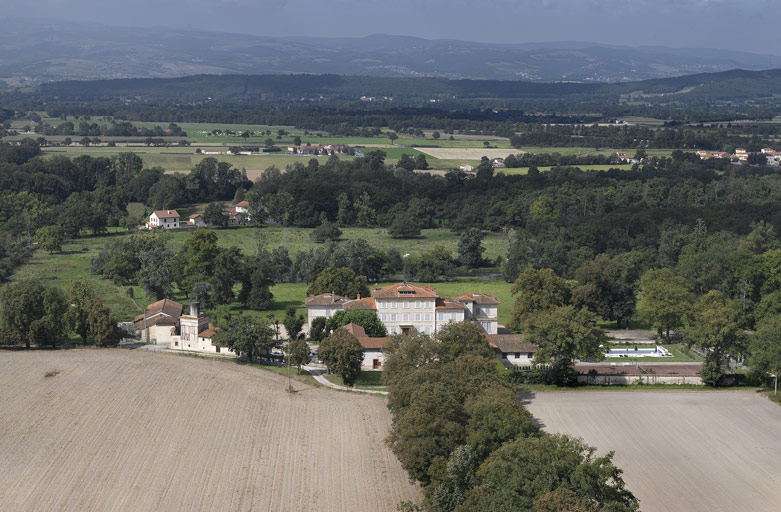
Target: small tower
{"points": [[192, 324]]}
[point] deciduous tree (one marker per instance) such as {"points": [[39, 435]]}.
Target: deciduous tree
{"points": [[363, 317], [248, 337], [341, 281], [50, 238], [664, 299], [342, 354]]}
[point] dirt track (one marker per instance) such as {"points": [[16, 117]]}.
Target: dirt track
{"points": [[133, 430], [688, 451]]}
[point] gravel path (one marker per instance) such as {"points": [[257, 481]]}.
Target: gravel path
{"points": [[317, 373]]}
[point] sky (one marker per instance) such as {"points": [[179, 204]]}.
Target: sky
{"points": [[746, 25]]}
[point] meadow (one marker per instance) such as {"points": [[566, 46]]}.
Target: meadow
{"points": [[125, 302]]}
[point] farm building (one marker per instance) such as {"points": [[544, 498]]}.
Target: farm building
{"points": [[373, 357], [510, 349], [159, 322], [196, 220]]}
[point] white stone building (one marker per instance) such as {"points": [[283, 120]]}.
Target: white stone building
{"points": [[196, 335], [166, 219], [407, 309]]}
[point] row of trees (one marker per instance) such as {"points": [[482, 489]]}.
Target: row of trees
{"points": [[32, 313], [460, 431]]}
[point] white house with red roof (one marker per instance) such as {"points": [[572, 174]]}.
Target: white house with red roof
{"points": [[373, 356], [166, 219]]}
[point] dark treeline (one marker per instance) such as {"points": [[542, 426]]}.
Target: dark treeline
{"points": [[716, 139], [113, 129]]}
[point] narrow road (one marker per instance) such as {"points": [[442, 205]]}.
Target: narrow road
{"points": [[317, 373]]}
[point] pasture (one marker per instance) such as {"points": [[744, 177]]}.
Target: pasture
{"points": [[117, 429], [73, 264], [697, 451]]}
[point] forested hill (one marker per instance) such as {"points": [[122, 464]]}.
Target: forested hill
{"points": [[735, 85], [310, 87]]}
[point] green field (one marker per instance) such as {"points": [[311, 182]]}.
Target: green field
{"points": [[365, 380], [74, 264], [525, 170], [594, 151]]}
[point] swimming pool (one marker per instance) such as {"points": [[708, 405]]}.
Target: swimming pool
{"points": [[657, 351]]}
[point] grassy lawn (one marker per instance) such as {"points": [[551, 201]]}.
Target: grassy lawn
{"points": [[525, 170], [365, 380], [297, 239], [597, 151]]}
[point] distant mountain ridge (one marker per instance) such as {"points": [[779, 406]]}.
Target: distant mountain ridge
{"points": [[700, 89], [36, 52]]}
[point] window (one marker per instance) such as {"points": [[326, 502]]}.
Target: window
{"points": [[217, 349], [417, 304], [393, 304], [405, 317], [517, 355], [428, 317], [427, 330], [504, 355], [384, 317], [417, 317], [393, 317], [440, 316]]}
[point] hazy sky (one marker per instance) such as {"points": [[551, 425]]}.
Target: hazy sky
{"points": [[750, 25]]}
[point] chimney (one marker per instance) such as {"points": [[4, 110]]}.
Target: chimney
{"points": [[194, 308], [493, 294], [359, 297], [169, 212]]}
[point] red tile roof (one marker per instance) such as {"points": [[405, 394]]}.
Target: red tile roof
{"points": [[208, 333], [402, 290], [163, 214], [478, 298], [365, 303], [244, 204], [325, 299], [162, 312], [449, 304], [360, 334]]}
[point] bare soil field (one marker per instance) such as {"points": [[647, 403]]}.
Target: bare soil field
{"points": [[116, 429], [468, 153], [693, 451]]}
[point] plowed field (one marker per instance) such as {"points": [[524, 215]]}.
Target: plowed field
{"points": [[134, 430], [693, 451]]}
